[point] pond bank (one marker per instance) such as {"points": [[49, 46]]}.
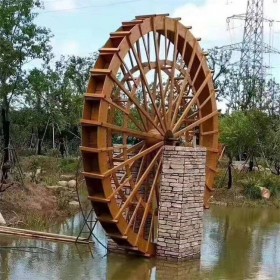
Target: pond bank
{"points": [[47, 194], [258, 188], [236, 198], [36, 206], [238, 243]]}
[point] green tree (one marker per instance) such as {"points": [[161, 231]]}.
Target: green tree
{"points": [[21, 41], [40, 101], [55, 95], [245, 132], [219, 62], [73, 73], [271, 149], [240, 91]]}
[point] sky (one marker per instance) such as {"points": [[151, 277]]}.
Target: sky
{"points": [[81, 27]]}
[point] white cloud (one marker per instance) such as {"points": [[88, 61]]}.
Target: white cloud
{"points": [[209, 23], [209, 20], [70, 47], [63, 4], [66, 47]]}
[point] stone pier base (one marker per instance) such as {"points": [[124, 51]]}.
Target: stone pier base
{"points": [[181, 203]]}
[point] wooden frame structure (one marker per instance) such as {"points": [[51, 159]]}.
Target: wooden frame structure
{"points": [[150, 86]]}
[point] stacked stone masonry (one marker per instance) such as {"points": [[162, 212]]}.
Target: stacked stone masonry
{"points": [[181, 203]]}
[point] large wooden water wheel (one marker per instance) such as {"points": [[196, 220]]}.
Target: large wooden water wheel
{"points": [[150, 86]]}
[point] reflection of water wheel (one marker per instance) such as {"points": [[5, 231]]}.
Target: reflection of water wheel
{"points": [[150, 86]]}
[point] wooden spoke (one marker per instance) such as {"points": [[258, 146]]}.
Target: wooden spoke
{"points": [[197, 72], [216, 131], [185, 45], [138, 51], [149, 48], [196, 123], [195, 113], [149, 201], [145, 46], [139, 146], [155, 87], [132, 159], [212, 95], [120, 187], [130, 59], [165, 40], [126, 69], [190, 64], [99, 150], [150, 86], [141, 168], [127, 81], [139, 183], [168, 47], [136, 103], [118, 129], [145, 82], [192, 102], [150, 231], [158, 69], [173, 73], [180, 96], [127, 113], [175, 101], [132, 219]]}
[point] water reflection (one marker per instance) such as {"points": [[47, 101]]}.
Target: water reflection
{"points": [[238, 240], [129, 267], [237, 244]]}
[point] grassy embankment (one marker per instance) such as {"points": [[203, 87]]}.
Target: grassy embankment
{"points": [[38, 206], [41, 202], [247, 188]]}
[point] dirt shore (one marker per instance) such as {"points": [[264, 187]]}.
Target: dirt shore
{"points": [[35, 206]]}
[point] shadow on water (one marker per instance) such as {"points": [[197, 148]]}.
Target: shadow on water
{"points": [[238, 244]]}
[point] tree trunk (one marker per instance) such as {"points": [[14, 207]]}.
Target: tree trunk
{"points": [[6, 136], [40, 140], [229, 173], [39, 149], [251, 164], [53, 136], [277, 168]]}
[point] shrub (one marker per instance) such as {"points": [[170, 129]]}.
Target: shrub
{"points": [[271, 182], [252, 187], [54, 153], [221, 179], [69, 165], [31, 164], [254, 182]]}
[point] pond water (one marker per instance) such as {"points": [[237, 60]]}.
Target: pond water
{"points": [[238, 243]]}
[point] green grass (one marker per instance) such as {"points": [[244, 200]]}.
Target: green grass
{"points": [[247, 189], [69, 165]]}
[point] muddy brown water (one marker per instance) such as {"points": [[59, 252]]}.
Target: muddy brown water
{"points": [[238, 243]]}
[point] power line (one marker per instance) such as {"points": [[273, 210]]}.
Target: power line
{"points": [[90, 6]]}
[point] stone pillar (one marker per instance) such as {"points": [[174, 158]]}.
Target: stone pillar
{"points": [[181, 203]]}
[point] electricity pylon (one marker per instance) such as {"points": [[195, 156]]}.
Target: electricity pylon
{"points": [[251, 93]]}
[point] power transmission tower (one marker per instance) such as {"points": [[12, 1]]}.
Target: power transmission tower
{"points": [[251, 93]]}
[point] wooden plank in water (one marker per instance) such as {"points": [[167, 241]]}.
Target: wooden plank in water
{"points": [[42, 235]]}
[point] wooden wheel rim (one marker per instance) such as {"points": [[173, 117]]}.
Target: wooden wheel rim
{"points": [[122, 70]]}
